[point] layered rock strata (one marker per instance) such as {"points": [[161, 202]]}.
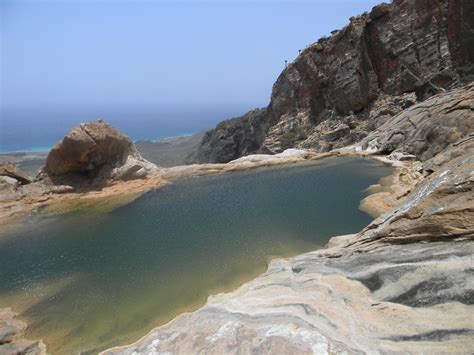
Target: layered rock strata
{"points": [[343, 87]]}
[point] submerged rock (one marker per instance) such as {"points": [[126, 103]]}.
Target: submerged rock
{"points": [[95, 152]]}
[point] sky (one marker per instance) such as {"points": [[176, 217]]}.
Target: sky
{"points": [[169, 56]]}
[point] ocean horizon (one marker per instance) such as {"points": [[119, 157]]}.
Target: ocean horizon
{"points": [[36, 131]]}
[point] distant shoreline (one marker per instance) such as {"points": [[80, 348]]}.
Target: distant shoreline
{"points": [[26, 150], [43, 149]]}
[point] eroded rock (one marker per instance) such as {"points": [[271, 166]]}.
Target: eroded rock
{"points": [[364, 74], [8, 169], [97, 153]]}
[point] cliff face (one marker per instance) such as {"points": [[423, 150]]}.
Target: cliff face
{"points": [[342, 87]]}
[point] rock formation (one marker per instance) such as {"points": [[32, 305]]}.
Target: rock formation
{"points": [[342, 87], [11, 336], [10, 170], [427, 128], [95, 152]]}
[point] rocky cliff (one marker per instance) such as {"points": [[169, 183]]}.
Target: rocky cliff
{"points": [[343, 87]]}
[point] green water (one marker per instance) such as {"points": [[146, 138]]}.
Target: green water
{"points": [[88, 281]]}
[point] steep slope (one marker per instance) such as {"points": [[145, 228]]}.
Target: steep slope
{"points": [[342, 87]]}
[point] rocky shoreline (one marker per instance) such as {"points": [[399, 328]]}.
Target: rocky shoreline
{"points": [[402, 284], [122, 192]]}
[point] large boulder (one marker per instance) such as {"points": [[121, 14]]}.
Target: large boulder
{"points": [[98, 152]]}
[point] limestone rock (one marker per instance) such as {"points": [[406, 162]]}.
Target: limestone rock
{"points": [[9, 169]]}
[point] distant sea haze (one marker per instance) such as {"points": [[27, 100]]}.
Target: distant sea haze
{"points": [[39, 130]]}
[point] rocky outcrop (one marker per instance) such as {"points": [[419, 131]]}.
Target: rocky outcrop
{"points": [[440, 131], [340, 88], [97, 153], [427, 128], [232, 138], [10, 170], [12, 339]]}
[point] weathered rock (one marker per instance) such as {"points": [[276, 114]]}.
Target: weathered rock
{"points": [[371, 69], [95, 152], [441, 208], [219, 144], [427, 128], [378, 302], [9, 169], [12, 341]]}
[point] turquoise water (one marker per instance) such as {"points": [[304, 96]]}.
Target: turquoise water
{"points": [[88, 281]]}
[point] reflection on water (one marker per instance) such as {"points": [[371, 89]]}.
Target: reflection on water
{"points": [[88, 281]]}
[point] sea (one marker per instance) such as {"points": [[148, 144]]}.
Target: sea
{"points": [[41, 129]]}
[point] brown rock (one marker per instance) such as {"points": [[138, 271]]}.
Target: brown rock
{"points": [[95, 152], [422, 47], [9, 169]]}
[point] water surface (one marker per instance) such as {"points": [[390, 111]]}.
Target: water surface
{"points": [[88, 281]]}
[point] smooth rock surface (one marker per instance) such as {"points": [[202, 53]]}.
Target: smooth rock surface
{"points": [[374, 302]]}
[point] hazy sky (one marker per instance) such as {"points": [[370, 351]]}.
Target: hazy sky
{"points": [[86, 53]]}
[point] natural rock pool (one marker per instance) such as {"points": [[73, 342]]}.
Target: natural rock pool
{"points": [[88, 281]]}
